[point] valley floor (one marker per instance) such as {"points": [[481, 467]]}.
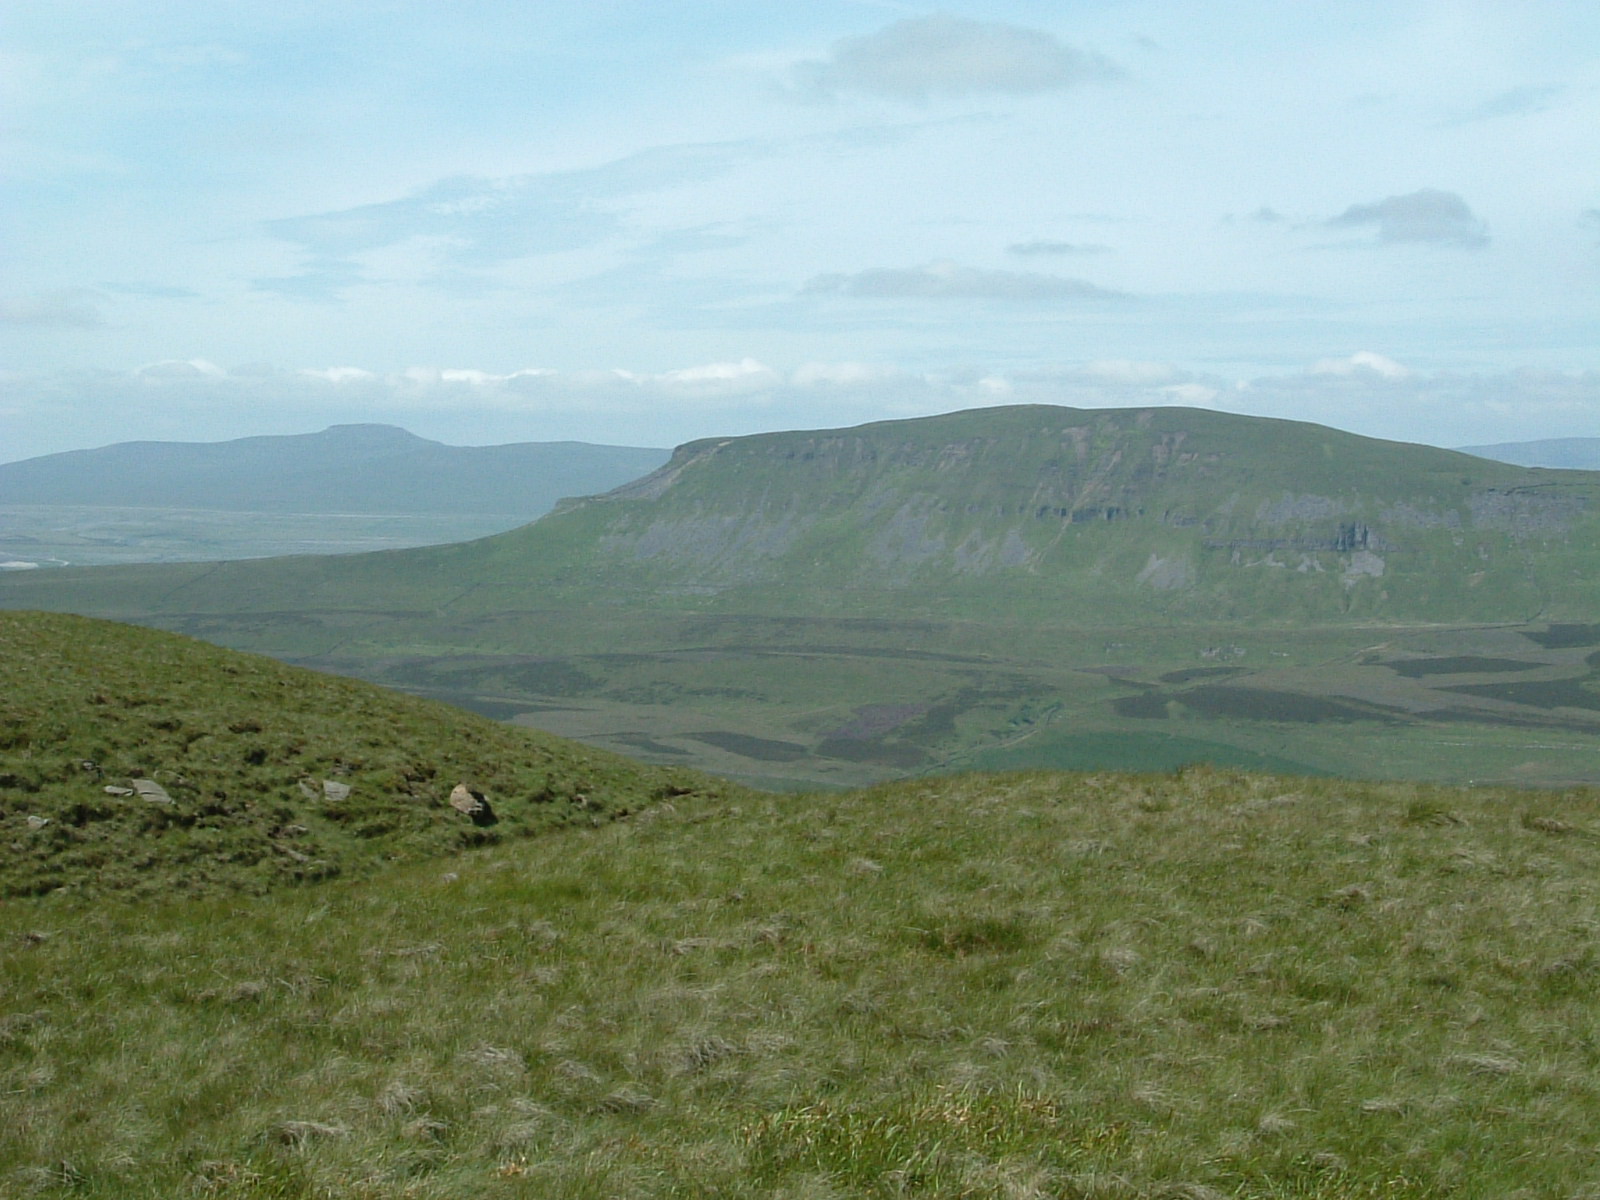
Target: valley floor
{"points": [[796, 703]]}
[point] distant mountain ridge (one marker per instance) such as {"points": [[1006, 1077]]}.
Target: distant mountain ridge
{"points": [[346, 468], [1580, 454]]}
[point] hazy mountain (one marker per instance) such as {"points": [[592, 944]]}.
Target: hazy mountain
{"points": [[344, 469], [1582, 454]]}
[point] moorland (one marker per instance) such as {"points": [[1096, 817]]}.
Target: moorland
{"points": [[638, 983], [1009, 587]]}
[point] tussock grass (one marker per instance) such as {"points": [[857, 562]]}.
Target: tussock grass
{"points": [[1196, 985]]}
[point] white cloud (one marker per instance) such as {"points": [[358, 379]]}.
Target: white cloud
{"points": [[179, 368], [845, 374], [338, 374], [1128, 371], [1429, 215], [744, 375], [1195, 395], [1362, 361], [942, 55], [951, 281]]}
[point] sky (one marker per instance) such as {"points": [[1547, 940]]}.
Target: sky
{"points": [[640, 223]]}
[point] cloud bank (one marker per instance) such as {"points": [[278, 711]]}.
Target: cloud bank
{"points": [[1429, 215], [919, 58]]}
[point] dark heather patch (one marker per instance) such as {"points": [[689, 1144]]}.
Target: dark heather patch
{"points": [[1461, 664], [1566, 637], [761, 749], [1550, 693], [1190, 674]]}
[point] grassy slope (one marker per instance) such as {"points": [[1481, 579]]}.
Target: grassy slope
{"points": [[1020, 986], [243, 746]]}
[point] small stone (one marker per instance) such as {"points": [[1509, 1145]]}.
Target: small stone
{"points": [[308, 790], [38, 822], [149, 789], [470, 802], [112, 789], [335, 791]]}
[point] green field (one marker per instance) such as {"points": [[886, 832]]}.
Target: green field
{"points": [[35, 536]]}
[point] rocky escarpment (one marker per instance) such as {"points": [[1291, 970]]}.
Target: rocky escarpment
{"points": [[1159, 502]]}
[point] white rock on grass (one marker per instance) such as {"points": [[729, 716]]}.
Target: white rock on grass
{"points": [[149, 789]]}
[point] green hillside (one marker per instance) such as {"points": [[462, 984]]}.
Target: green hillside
{"points": [[1135, 988], [1024, 586], [143, 762]]}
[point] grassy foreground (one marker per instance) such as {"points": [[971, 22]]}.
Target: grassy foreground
{"points": [[1196, 985], [262, 774]]}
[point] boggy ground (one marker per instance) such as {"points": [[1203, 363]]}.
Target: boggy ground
{"points": [[1044, 985], [798, 703]]}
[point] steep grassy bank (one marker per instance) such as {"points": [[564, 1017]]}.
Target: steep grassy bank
{"points": [[1199, 985], [132, 760]]}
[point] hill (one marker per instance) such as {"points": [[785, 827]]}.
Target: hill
{"points": [[1126, 987], [139, 761], [343, 469], [1002, 587], [1572, 453], [348, 489], [1175, 514]]}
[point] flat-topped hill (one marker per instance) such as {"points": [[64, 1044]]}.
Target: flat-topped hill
{"points": [[1170, 514]]}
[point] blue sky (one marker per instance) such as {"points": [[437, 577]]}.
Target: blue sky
{"points": [[645, 223]]}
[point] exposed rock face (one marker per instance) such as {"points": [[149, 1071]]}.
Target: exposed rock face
{"points": [[1526, 512], [1363, 564], [1167, 574]]}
